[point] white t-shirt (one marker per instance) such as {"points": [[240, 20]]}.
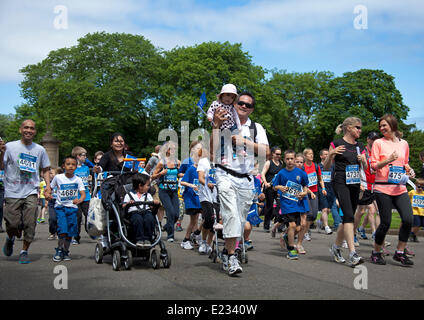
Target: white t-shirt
{"points": [[244, 163], [67, 189], [142, 197], [22, 165], [206, 194]]}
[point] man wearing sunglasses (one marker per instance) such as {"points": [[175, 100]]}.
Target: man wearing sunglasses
{"points": [[234, 182]]}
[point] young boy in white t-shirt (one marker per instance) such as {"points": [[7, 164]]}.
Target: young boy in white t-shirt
{"points": [[66, 207]]}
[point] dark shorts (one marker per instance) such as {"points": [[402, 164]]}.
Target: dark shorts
{"points": [[291, 217], [326, 202], [193, 211], [418, 221], [367, 198]]}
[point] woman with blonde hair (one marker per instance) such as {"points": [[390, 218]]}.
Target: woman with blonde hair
{"points": [[348, 156]]}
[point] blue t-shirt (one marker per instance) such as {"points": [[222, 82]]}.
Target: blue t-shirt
{"points": [[295, 179], [185, 164], [191, 198], [84, 172]]}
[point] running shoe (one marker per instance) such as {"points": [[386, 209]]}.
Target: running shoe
{"points": [[328, 230], [170, 240], [409, 252], [292, 255], [66, 256], [387, 244], [234, 266], [355, 259], [248, 245], [385, 251], [402, 258], [178, 228], [208, 250], [337, 255], [362, 233], [355, 241], [58, 256], [8, 247], [74, 242], [203, 248], [377, 258], [301, 250], [187, 245], [23, 258], [344, 244], [307, 236], [413, 237], [52, 237]]}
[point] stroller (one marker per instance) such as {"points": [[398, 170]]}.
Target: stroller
{"points": [[118, 239]]}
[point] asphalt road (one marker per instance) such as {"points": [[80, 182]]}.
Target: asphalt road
{"points": [[268, 275]]}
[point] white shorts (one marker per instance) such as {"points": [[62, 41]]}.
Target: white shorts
{"points": [[234, 206]]}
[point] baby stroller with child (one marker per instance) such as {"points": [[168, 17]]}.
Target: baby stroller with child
{"points": [[118, 239]]}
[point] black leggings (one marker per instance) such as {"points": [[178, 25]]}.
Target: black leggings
{"points": [[385, 204], [348, 196], [209, 211], [270, 195]]}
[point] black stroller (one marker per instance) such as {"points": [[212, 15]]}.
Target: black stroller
{"points": [[118, 239]]}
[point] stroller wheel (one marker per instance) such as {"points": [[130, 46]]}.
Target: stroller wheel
{"points": [[128, 262], [98, 253], [166, 260], [244, 258], [155, 260], [116, 260]]}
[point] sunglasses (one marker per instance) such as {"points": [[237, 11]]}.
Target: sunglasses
{"points": [[277, 154], [83, 154], [242, 103], [358, 127]]}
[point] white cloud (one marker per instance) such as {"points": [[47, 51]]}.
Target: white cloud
{"points": [[27, 33]]}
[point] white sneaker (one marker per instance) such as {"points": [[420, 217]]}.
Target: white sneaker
{"points": [[307, 236], [186, 245], [208, 249], [344, 244], [328, 230], [234, 266], [203, 248]]}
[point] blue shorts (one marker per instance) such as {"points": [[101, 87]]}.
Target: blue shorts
{"points": [[67, 222], [326, 202], [418, 221]]}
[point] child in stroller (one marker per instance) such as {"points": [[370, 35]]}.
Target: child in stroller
{"points": [[141, 217]]}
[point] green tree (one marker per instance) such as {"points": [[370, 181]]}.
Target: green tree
{"points": [[189, 71], [103, 84]]}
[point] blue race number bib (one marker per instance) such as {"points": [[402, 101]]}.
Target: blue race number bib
{"points": [[352, 174], [293, 190], [27, 163]]}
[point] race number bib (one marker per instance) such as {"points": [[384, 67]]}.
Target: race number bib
{"points": [[68, 192], [212, 173], [312, 179], [418, 201], [353, 174], [1, 175], [293, 190], [170, 182], [326, 176], [395, 174], [27, 163]]}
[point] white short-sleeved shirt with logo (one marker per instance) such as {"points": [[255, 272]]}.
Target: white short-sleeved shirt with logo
{"points": [[22, 165], [67, 190], [244, 163]]}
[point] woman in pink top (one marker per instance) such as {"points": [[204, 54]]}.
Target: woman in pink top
{"points": [[389, 158]]}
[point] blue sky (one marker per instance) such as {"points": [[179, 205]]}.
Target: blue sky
{"points": [[297, 36]]}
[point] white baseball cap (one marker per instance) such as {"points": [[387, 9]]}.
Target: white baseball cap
{"points": [[228, 88]]}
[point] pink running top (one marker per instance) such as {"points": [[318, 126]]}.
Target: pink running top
{"points": [[381, 150]]}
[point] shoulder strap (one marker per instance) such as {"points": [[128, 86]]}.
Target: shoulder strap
{"points": [[255, 130]]}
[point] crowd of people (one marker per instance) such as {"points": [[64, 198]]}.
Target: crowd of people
{"points": [[220, 188]]}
